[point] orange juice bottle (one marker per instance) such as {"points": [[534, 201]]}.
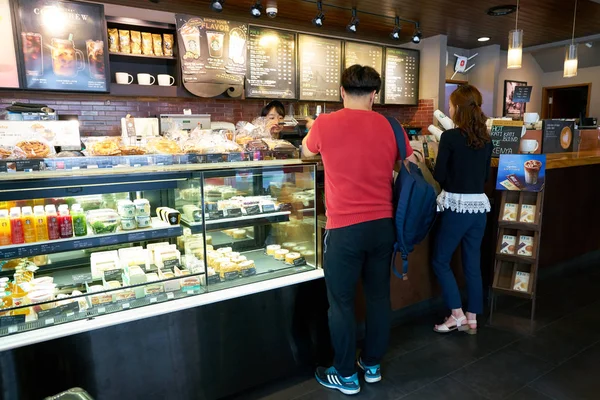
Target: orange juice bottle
{"points": [[28, 225], [41, 224], [5, 238], [16, 226], [18, 298]]}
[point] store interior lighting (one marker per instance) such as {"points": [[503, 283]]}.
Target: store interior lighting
{"points": [[318, 20], [256, 9], [217, 5], [417, 35], [353, 25], [395, 35]]}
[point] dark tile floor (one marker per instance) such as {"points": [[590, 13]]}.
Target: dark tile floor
{"points": [[558, 358]]}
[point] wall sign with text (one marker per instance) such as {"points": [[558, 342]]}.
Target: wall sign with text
{"points": [[506, 136]]}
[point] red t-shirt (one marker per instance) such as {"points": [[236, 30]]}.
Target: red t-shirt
{"points": [[359, 152]]}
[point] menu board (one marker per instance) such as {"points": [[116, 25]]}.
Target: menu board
{"points": [[271, 64], [401, 76], [212, 50], [320, 68], [506, 136], [62, 45], [366, 55], [9, 76]]}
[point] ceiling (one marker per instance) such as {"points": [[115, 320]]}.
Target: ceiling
{"points": [[463, 21], [552, 59]]}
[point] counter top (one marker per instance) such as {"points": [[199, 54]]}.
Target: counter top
{"points": [[566, 160]]}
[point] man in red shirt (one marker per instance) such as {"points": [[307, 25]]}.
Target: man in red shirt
{"points": [[359, 152]]}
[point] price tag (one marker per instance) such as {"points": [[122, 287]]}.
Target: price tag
{"points": [[69, 315], [49, 321], [125, 306], [190, 292], [153, 299], [101, 310], [93, 166], [13, 329], [170, 295]]}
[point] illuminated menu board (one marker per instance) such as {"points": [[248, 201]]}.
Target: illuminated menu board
{"points": [[366, 55], [401, 76], [271, 69], [320, 68]]}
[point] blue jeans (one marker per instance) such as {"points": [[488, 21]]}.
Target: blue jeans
{"points": [[454, 229]]}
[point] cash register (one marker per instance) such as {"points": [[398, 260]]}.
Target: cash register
{"points": [[184, 122]]}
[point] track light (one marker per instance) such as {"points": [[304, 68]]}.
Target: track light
{"points": [[318, 20], [416, 37], [256, 9], [353, 25], [395, 35], [217, 5]]}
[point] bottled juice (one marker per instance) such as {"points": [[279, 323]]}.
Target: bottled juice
{"points": [[65, 222], [5, 238], [52, 221], [41, 224], [18, 298], [28, 225], [16, 226], [79, 222]]}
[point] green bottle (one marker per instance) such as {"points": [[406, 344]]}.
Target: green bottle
{"points": [[79, 221]]}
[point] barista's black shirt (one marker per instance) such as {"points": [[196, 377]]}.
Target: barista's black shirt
{"points": [[460, 168]]}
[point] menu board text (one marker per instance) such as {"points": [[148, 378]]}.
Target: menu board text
{"points": [[320, 68], [401, 76]]}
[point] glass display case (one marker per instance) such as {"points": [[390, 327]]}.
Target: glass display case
{"points": [[78, 247]]}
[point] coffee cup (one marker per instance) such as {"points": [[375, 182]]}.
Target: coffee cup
{"points": [[123, 78], [532, 171], [529, 146], [145, 79], [165, 80]]}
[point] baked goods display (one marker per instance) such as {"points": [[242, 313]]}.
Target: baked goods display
{"points": [[132, 151], [34, 148], [163, 146], [5, 153], [105, 148]]}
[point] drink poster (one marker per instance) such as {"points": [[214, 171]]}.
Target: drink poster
{"points": [[271, 64], [521, 172], [401, 76], [320, 68], [366, 55], [9, 75], [212, 50], [62, 45]]}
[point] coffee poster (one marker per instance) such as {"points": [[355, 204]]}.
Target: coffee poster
{"points": [[558, 136], [506, 136], [62, 45], [521, 172], [212, 50], [9, 75]]}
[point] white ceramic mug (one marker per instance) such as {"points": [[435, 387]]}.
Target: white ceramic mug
{"points": [[165, 80], [123, 78], [529, 146], [146, 79]]}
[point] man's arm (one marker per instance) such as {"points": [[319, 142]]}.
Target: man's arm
{"points": [[305, 151]]}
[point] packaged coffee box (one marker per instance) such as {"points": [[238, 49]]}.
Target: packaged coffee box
{"points": [[521, 281], [168, 44], [113, 40], [508, 244], [124, 42], [157, 44], [510, 212], [136, 42], [147, 47], [525, 247], [527, 213]]}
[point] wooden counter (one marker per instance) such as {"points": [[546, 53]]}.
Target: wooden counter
{"points": [[566, 160]]}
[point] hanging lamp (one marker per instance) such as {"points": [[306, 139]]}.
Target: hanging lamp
{"points": [[571, 61], [515, 45]]}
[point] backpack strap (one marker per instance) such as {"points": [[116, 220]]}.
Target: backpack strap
{"points": [[399, 133]]}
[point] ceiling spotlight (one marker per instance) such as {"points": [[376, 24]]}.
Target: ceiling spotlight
{"points": [[318, 20], [217, 5], [483, 39], [416, 37], [256, 9], [353, 25], [395, 35]]}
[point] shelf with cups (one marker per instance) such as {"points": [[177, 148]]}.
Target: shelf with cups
{"points": [[124, 55]]}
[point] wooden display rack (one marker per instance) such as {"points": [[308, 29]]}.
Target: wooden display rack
{"points": [[506, 266]]}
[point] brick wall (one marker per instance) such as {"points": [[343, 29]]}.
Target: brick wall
{"points": [[101, 114]]}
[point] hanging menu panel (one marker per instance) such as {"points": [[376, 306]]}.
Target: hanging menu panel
{"points": [[401, 76], [320, 68], [271, 64], [366, 55]]}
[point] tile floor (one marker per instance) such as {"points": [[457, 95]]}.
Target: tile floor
{"points": [[559, 358]]}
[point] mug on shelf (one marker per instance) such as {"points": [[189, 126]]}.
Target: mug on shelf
{"points": [[123, 78], [529, 146], [165, 80], [146, 79]]}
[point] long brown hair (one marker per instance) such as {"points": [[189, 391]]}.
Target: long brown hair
{"points": [[468, 115]]}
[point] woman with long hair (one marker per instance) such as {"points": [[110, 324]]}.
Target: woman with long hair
{"points": [[462, 168]]}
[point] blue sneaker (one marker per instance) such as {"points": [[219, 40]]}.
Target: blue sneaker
{"points": [[372, 373], [331, 379]]}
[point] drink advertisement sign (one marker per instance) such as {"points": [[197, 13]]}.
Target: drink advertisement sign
{"points": [[9, 75], [521, 172], [62, 45]]}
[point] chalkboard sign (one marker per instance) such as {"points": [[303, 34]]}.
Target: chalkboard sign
{"points": [[271, 64], [506, 137], [522, 94], [320, 68], [401, 76], [366, 55]]}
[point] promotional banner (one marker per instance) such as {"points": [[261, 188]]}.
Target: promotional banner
{"points": [[521, 172], [9, 75], [62, 45]]}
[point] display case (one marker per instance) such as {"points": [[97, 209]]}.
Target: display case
{"points": [[82, 249]]}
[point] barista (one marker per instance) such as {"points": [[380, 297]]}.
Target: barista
{"points": [[274, 112]]}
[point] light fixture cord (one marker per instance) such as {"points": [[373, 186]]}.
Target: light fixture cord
{"points": [[517, 20], [574, 18]]}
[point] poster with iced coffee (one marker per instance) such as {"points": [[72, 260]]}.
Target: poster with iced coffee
{"points": [[521, 172], [212, 50], [62, 45]]}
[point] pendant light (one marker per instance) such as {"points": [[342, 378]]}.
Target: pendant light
{"points": [[515, 45], [571, 61]]}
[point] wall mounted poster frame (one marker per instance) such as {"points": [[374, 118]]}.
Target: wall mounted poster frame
{"points": [[511, 108], [62, 45], [9, 72], [320, 62], [365, 54], [401, 79]]}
